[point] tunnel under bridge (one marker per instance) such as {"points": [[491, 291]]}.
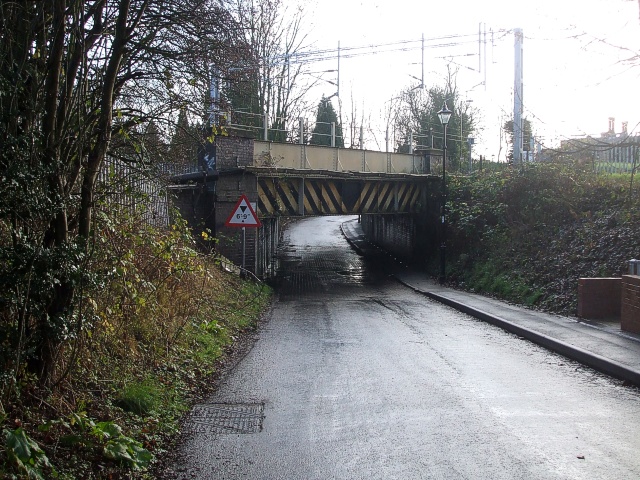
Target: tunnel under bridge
{"points": [[396, 195]]}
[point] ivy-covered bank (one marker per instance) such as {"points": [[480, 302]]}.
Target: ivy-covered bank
{"points": [[158, 317], [527, 234]]}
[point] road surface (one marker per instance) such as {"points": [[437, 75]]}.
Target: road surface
{"points": [[356, 377]]}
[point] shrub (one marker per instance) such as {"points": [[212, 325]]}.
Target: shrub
{"points": [[155, 321], [527, 235]]}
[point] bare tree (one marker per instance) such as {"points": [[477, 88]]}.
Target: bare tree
{"points": [[274, 61], [355, 122], [75, 75], [416, 112]]}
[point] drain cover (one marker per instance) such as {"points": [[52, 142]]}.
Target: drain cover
{"points": [[226, 418]]}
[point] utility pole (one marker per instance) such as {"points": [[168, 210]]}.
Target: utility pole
{"points": [[517, 98], [338, 82], [214, 97]]}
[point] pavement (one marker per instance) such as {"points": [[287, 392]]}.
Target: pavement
{"points": [[602, 346]]}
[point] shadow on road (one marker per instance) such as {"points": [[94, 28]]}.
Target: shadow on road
{"points": [[310, 262]]}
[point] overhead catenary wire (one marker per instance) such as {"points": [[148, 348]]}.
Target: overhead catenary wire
{"points": [[321, 55], [459, 41]]}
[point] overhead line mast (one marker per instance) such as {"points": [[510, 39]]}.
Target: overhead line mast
{"points": [[422, 78], [517, 98]]}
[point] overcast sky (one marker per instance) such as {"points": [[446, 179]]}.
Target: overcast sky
{"points": [[575, 76]]}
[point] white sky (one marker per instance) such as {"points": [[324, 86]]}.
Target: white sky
{"points": [[574, 77]]}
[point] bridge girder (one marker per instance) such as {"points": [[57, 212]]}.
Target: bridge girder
{"points": [[300, 192]]}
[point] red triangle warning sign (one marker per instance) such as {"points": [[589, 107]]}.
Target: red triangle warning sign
{"points": [[243, 215]]}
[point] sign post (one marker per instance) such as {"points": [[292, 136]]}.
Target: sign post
{"points": [[243, 215]]}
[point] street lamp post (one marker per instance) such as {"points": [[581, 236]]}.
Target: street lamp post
{"points": [[444, 114]]}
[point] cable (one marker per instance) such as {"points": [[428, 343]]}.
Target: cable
{"points": [[313, 56]]}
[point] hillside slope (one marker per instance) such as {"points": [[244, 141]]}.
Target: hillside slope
{"points": [[528, 235]]}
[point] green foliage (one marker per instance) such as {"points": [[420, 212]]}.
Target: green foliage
{"points": [[528, 234], [162, 308], [27, 455], [90, 295], [487, 278], [243, 96], [105, 430], [67, 116], [107, 435], [527, 133], [127, 451], [141, 398], [183, 149], [416, 111]]}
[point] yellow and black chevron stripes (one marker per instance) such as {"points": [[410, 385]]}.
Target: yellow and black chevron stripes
{"points": [[408, 197], [325, 196], [278, 196]]}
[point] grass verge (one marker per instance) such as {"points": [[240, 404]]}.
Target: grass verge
{"points": [[157, 333]]}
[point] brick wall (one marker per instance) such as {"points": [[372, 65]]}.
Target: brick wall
{"points": [[204, 208], [630, 315], [196, 205], [599, 298], [229, 189], [232, 153]]}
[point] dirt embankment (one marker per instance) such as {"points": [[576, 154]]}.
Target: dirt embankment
{"points": [[528, 236]]}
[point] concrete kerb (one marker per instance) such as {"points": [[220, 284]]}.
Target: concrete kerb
{"points": [[590, 359], [355, 245], [349, 240]]}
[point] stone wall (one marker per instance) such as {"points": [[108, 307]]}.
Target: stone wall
{"points": [[630, 314], [599, 298]]}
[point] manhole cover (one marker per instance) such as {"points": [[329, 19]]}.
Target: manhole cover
{"points": [[226, 418]]}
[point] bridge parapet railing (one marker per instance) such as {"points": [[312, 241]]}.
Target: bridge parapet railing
{"points": [[315, 157]]}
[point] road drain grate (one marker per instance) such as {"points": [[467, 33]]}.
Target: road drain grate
{"points": [[226, 418]]}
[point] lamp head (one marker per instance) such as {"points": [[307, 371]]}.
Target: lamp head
{"points": [[444, 114]]}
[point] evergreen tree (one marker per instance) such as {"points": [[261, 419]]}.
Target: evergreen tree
{"points": [[526, 136], [242, 94], [184, 143], [322, 131], [154, 145]]}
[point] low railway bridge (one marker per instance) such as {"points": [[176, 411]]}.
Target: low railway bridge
{"points": [[397, 195]]}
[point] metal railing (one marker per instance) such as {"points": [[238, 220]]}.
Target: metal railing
{"points": [[296, 130]]}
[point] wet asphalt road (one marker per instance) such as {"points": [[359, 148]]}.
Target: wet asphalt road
{"points": [[356, 377]]}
